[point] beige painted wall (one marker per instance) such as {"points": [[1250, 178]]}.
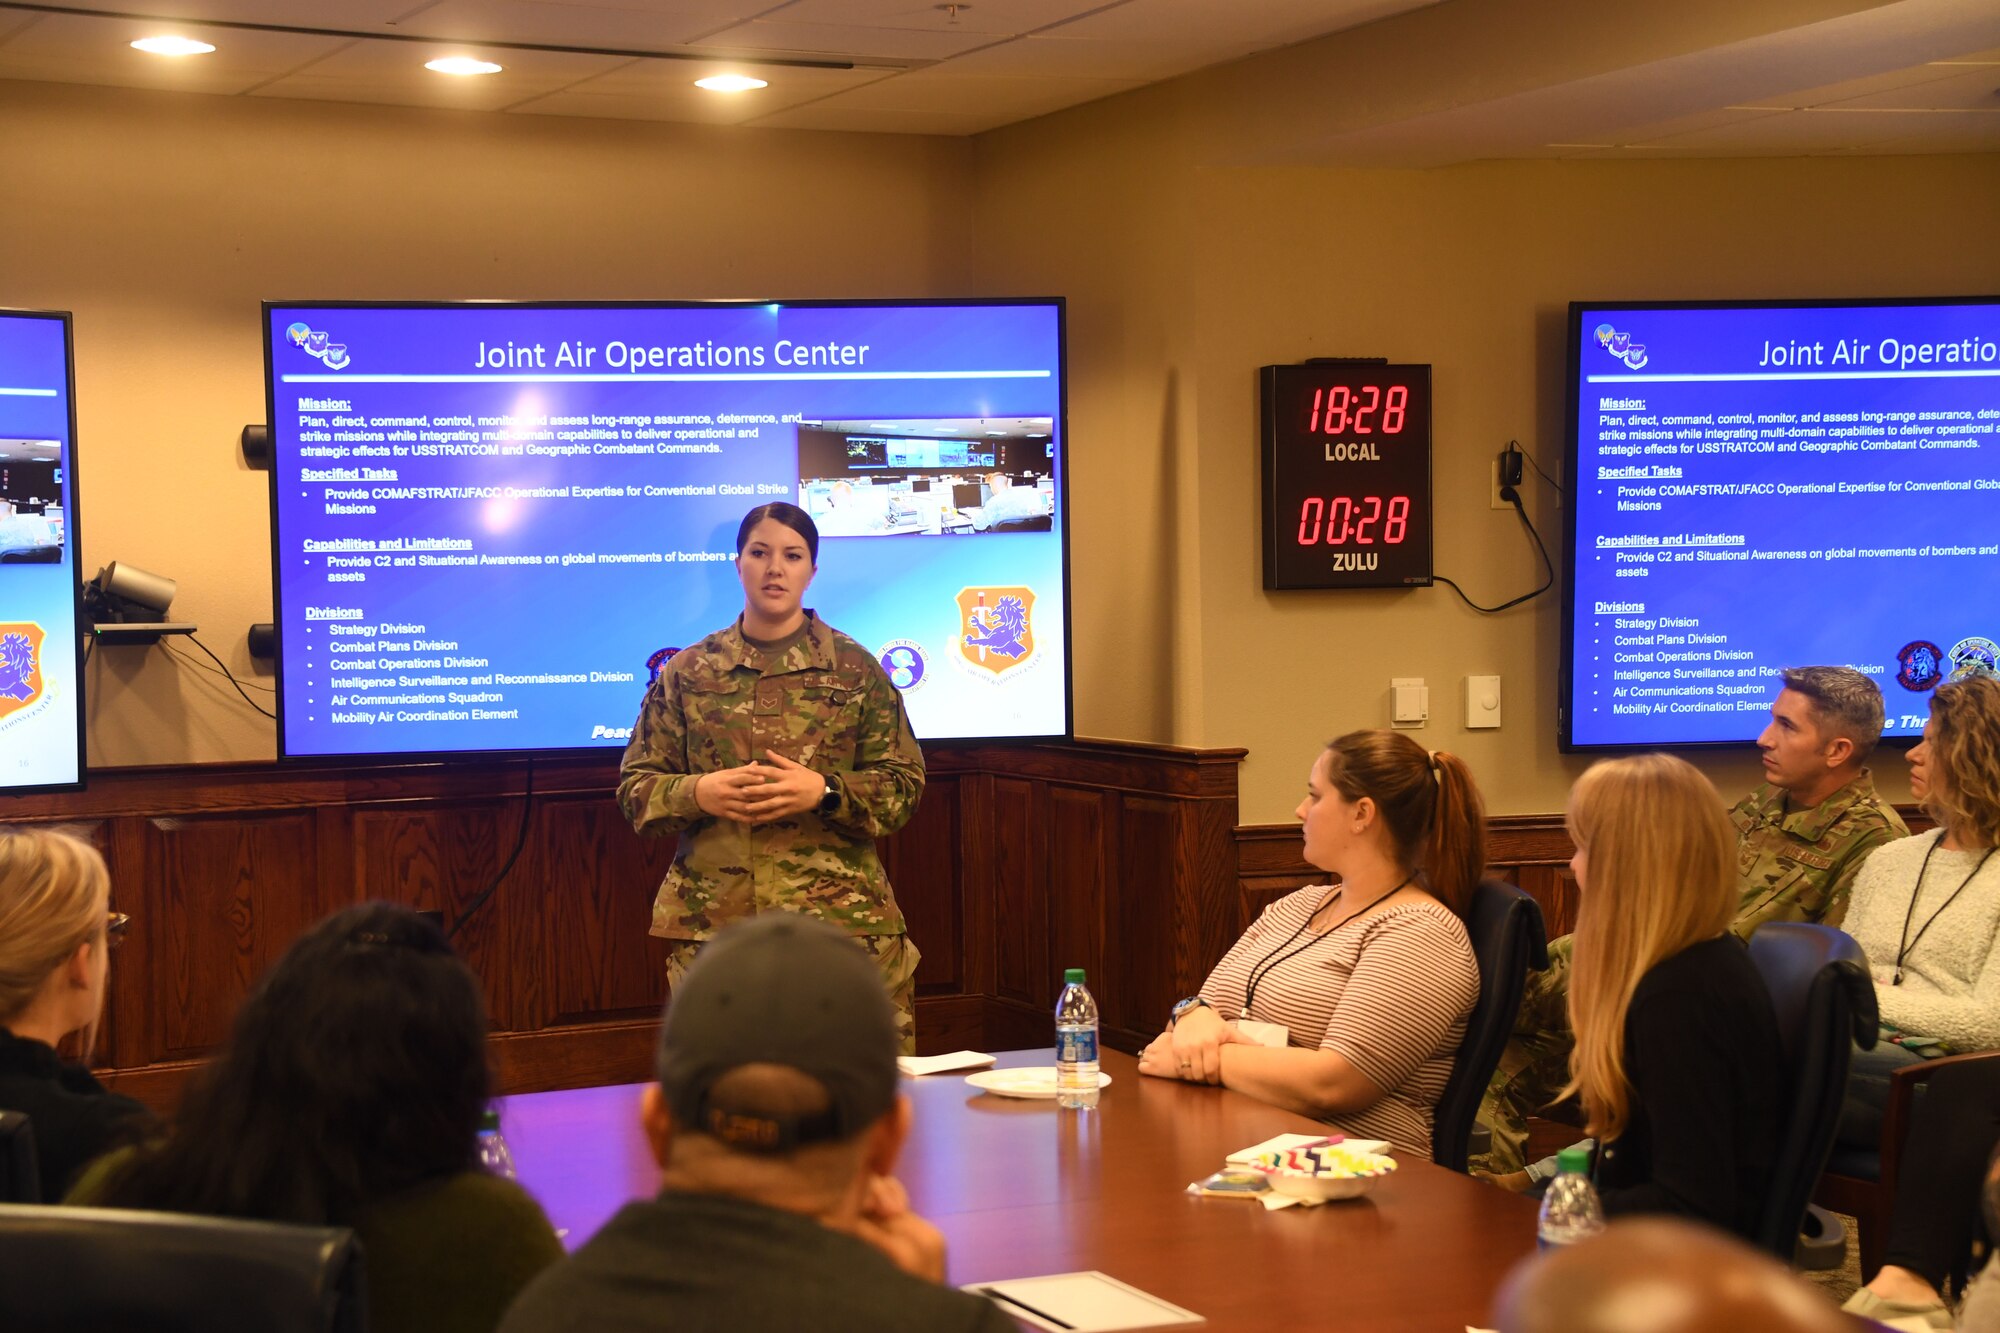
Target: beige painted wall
{"points": [[163, 220], [1183, 278]]}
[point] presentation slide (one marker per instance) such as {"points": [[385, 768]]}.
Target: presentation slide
{"points": [[1758, 487], [493, 523], [41, 662]]}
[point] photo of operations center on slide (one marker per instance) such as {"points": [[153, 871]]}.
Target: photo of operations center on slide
{"points": [[935, 478], [1761, 486], [492, 523]]}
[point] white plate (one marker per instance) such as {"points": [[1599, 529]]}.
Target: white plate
{"points": [[1038, 1081]]}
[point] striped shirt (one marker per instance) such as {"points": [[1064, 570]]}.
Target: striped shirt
{"points": [[1390, 992]]}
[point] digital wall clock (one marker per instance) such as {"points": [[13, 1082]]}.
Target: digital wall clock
{"points": [[1347, 475]]}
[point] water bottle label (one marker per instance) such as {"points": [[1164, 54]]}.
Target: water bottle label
{"points": [[1077, 1047]]}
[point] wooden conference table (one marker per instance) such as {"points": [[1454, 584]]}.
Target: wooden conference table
{"points": [[1022, 1188]]}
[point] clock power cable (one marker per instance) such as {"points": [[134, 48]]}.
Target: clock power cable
{"points": [[1513, 496]]}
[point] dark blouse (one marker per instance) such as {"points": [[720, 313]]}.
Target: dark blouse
{"points": [[75, 1117], [1702, 1052]]}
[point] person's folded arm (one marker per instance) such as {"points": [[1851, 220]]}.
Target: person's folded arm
{"points": [[1318, 1083], [1967, 1022]]}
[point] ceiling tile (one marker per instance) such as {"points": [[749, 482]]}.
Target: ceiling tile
{"points": [[1003, 18], [394, 73], [1058, 57], [632, 25], [849, 39], [1974, 89], [935, 89], [664, 90], [1261, 24], [294, 13], [66, 48]]}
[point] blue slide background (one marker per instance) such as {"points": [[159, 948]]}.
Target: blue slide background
{"points": [[38, 739], [1832, 602], [609, 619]]}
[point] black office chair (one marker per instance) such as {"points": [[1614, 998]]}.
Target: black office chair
{"points": [[114, 1271], [20, 1169], [1819, 984], [1508, 938]]}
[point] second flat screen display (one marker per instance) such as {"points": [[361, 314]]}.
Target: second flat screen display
{"points": [[491, 523]]}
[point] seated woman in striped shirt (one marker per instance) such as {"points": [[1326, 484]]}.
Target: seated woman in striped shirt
{"points": [[1348, 1003]]}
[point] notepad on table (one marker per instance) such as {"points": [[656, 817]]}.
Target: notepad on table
{"points": [[1082, 1303], [916, 1066], [1285, 1142]]}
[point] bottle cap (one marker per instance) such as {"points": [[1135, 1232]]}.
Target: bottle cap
{"points": [[1073, 976], [1573, 1161], [489, 1121]]}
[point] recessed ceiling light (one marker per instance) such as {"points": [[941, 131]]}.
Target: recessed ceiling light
{"points": [[172, 46], [730, 83], [463, 66]]}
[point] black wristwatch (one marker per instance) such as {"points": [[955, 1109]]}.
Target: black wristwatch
{"points": [[1181, 1007], [829, 800]]}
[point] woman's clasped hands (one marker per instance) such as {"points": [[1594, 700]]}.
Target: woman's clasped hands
{"points": [[1192, 1048], [757, 793]]}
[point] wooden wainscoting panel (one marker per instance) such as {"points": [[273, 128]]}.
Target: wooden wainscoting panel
{"points": [[1147, 898], [231, 893], [1019, 869], [1075, 855], [920, 860], [592, 904]]}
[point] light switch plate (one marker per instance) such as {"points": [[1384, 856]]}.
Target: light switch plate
{"points": [[1482, 702], [1409, 702]]}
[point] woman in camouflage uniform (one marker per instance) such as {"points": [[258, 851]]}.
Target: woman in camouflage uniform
{"points": [[778, 751]]}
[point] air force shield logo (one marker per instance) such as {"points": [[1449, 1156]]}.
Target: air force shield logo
{"points": [[20, 666], [996, 630]]}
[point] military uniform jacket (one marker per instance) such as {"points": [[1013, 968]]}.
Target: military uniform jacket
{"points": [[1800, 865], [824, 702]]}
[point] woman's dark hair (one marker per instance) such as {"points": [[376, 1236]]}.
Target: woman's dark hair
{"points": [[793, 517], [356, 1069], [1428, 801]]}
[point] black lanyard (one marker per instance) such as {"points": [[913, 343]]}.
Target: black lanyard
{"points": [[1262, 969], [1902, 949]]}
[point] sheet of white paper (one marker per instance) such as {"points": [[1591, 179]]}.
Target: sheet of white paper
{"points": [[1085, 1302], [916, 1066], [1285, 1141]]}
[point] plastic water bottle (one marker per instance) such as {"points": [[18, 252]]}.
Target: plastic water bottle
{"points": [[1076, 1044], [494, 1158], [1570, 1210]]}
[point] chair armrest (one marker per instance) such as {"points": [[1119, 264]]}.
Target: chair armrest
{"points": [[1903, 1085]]}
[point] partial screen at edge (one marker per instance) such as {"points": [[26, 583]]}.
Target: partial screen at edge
{"points": [[1764, 486], [493, 524], [41, 659]]}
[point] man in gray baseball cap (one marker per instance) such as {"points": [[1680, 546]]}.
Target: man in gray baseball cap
{"points": [[776, 1122]]}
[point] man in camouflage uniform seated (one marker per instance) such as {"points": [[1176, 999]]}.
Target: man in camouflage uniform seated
{"points": [[1801, 838], [730, 712]]}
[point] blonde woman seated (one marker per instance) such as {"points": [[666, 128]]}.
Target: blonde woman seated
{"points": [[1677, 1056], [1349, 1003]]}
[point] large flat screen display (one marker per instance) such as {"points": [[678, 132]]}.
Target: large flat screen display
{"points": [[1764, 486], [41, 655], [492, 523]]}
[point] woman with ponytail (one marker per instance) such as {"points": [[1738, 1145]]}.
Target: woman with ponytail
{"points": [[1348, 1003], [1677, 1055], [56, 926]]}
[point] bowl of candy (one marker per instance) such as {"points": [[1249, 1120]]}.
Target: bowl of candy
{"points": [[1323, 1171]]}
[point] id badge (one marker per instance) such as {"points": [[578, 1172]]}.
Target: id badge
{"points": [[1263, 1034]]}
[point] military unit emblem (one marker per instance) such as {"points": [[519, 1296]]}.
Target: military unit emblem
{"points": [[21, 680]]}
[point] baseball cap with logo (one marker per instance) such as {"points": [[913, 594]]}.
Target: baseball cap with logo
{"points": [[788, 990]]}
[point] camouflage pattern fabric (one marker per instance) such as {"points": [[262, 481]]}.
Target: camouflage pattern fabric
{"points": [[824, 702], [894, 955], [1793, 865]]}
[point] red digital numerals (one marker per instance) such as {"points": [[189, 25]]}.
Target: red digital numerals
{"points": [[1345, 520], [1353, 411]]}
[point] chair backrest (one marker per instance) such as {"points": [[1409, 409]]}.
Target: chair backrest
{"points": [[1825, 1001], [111, 1270], [20, 1169], [1508, 939]]}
